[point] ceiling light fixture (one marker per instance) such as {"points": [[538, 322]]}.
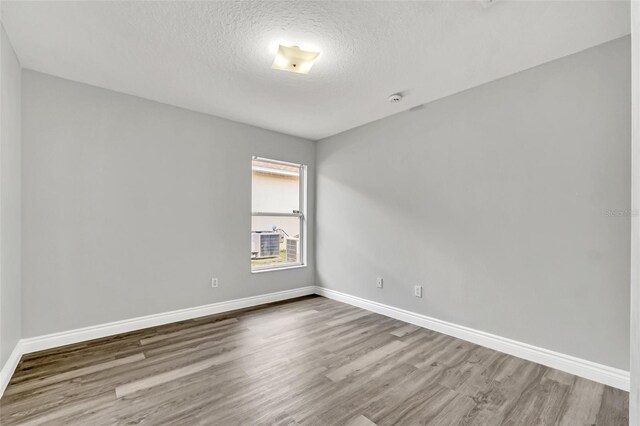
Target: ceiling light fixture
{"points": [[294, 59]]}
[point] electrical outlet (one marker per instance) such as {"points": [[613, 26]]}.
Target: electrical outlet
{"points": [[379, 282], [417, 291], [214, 282]]}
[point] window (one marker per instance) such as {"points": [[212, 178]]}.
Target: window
{"points": [[277, 214]]}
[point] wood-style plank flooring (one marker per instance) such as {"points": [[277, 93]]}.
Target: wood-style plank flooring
{"points": [[309, 361]]}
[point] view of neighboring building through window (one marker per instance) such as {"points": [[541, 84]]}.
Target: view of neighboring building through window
{"points": [[277, 218]]}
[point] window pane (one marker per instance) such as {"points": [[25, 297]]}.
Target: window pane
{"points": [[275, 187], [275, 241]]}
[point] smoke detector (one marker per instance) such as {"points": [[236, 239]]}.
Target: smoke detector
{"points": [[487, 3], [395, 98]]}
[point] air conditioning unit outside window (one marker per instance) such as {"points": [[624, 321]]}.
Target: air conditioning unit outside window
{"points": [[293, 250], [265, 244]]}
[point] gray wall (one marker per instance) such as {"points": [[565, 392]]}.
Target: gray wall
{"points": [[634, 394], [10, 324], [131, 206], [496, 200]]}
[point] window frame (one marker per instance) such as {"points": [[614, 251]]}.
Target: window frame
{"points": [[302, 208]]}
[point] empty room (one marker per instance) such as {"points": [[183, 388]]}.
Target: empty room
{"points": [[320, 212]]}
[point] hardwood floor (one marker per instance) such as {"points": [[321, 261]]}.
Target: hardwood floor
{"points": [[308, 361]]}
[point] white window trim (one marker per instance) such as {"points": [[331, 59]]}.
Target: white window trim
{"points": [[302, 205]]}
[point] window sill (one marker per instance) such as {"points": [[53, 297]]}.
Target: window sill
{"points": [[282, 268]]}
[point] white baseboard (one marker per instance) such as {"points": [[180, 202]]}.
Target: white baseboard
{"points": [[54, 340], [589, 370], [597, 372], [48, 341], [9, 367]]}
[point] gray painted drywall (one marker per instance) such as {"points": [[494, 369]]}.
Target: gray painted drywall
{"points": [[130, 207], [634, 394], [10, 322], [502, 201]]}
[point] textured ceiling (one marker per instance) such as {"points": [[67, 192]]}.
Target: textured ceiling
{"points": [[216, 57]]}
